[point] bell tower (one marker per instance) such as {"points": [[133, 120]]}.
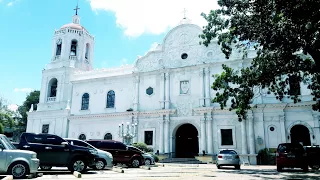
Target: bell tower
{"points": [[72, 50], [72, 46]]}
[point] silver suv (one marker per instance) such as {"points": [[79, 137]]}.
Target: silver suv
{"points": [[18, 163]]}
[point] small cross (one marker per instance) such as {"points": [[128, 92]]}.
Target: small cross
{"points": [[76, 9], [184, 13]]}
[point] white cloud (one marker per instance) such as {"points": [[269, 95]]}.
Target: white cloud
{"points": [[10, 3], [23, 90], [13, 107], [124, 61], [153, 16]]}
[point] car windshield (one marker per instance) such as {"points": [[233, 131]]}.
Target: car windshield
{"points": [[5, 141], [80, 143], [228, 152]]}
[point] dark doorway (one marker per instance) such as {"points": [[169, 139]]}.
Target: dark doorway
{"points": [[187, 145], [300, 134]]}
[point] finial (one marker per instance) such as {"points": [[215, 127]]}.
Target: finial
{"points": [[184, 13], [76, 9], [31, 108]]}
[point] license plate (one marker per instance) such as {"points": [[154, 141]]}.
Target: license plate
{"points": [[291, 156], [227, 157]]}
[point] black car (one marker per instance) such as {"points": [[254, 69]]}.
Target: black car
{"points": [[52, 150]]}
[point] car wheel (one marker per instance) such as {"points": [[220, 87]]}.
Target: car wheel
{"points": [[237, 166], [135, 163], [18, 170], [45, 168], [315, 167], [78, 165], [99, 165], [279, 168], [147, 162]]}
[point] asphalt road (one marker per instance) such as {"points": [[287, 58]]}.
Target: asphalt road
{"points": [[186, 172]]}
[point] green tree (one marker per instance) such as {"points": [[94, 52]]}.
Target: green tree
{"points": [[6, 116], [285, 35], [32, 98]]}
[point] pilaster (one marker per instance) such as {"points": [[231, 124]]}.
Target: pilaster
{"points": [[203, 135], [244, 149], [136, 102], [167, 94], [202, 98], [251, 133], [209, 134], [208, 97], [161, 135], [167, 133]]}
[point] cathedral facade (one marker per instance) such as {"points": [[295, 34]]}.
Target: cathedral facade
{"points": [[163, 99]]}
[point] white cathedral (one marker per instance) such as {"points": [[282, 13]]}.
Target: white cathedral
{"points": [[163, 99]]}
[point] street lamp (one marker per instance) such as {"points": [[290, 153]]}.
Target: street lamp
{"points": [[128, 134]]}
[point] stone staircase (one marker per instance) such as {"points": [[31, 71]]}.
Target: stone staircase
{"points": [[182, 161]]}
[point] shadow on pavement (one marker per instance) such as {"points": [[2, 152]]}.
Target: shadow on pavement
{"points": [[61, 172], [270, 173]]}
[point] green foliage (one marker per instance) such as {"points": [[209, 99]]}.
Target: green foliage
{"points": [[155, 157], [286, 38], [32, 98], [142, 146], [266, 157], [6, 116]]}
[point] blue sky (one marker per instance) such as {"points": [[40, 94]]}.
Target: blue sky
{"points": [[123, 29]]}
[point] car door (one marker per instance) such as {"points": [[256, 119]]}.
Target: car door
{"points": [[3, 158], [56, 153], [34, 142], [122, 153]]}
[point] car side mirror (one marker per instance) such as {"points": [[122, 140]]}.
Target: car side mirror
{"points": [[64, 143]]}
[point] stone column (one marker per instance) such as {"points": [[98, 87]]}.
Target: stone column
{"points": [[209, 133], [316, 131], [136, 102], [136, 121], [252, 148], [167, 80], [283, 129], [167, 134], [208, 97], [201, 101], [244, 149], [203, 135], [161, 137], [162, 90]]}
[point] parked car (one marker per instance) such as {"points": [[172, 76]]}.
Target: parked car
{"points": [[52, 150], [104, 158], [291, 155], [148, 158], [228, 158], [120, 152], [18, 163], [313, 156]]}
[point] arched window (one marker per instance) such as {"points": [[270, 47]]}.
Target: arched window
{"points": [[85, 101], [52, 89], [73, 49], [110, 99], [59, 46], [87, 51], [108, 136], [82, 137]]}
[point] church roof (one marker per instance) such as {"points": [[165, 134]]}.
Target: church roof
{"points": [[72, 26]]}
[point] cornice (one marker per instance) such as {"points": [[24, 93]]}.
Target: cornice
{"points": [[125, 114]]}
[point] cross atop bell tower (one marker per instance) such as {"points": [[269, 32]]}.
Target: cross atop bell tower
{"points": [[76, 9], [76, 18]]}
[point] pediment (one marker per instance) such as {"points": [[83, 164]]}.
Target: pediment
{"points": [[183, 39]]}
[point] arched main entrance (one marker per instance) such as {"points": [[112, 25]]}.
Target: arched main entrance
{"points": [[300, 134], [187, 144]]}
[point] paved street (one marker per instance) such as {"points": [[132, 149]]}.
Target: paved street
{"points": [[187, 172]]}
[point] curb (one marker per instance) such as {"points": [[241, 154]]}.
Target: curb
{"points": [[118, 169], [10, 177], [77, 174]]}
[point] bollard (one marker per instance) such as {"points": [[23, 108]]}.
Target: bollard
{"points": [[77, 174], [117, 169], [10, 177]]}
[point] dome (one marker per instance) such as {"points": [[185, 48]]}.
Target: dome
{"points": [[73, 26]]}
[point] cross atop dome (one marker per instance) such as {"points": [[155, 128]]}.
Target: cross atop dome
{"points": [[184, 13], [76, 9]]}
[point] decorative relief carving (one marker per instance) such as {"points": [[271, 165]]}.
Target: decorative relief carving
{"points": [[184, 107], [184, 87], [91, 133]]}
